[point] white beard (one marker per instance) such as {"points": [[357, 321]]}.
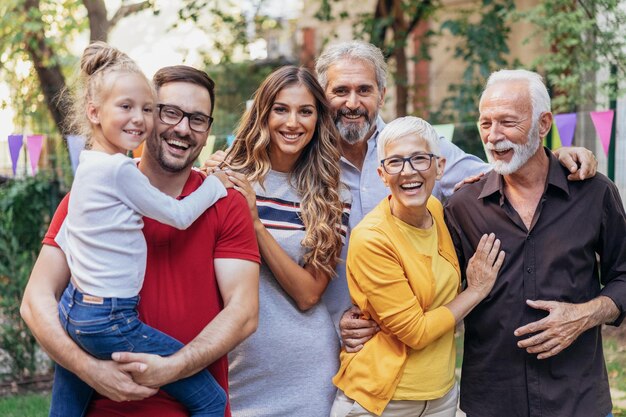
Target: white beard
{"points": [[521, 152]]}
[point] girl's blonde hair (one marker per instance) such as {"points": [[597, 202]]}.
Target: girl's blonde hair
{"points": [[98, 61], [316, 172]]}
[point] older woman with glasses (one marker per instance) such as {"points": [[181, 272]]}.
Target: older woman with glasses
{"points": [[403, 273]]}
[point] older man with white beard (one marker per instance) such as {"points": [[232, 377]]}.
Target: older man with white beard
{"points": [[533, 347]]}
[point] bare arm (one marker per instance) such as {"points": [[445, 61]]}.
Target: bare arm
{"points": [[305, 285], [48, 279], [238, 281]]}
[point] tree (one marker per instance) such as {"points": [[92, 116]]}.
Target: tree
{"points": [[38, 32], [583, 37], [488, 20], [390, 26]]}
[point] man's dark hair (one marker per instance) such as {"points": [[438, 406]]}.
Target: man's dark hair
{"points": [[186, 74]]}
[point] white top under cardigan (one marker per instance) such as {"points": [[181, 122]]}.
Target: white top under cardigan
{"points": [[102, 234]]}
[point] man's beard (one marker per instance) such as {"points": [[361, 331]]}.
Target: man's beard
{"points": [[353, 133], [521, 152], [170, 164]]}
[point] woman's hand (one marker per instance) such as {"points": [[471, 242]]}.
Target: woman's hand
{"points": [[214, 161], [484, 266], [242, 185]]}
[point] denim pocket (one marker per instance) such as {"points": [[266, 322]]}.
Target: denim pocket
{"points": [[101, 340]]}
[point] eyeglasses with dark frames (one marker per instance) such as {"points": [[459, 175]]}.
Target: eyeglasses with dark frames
{"points": [[419, 161], [173, 115]]}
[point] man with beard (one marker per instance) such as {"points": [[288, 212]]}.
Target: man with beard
{"points": [[533, 347], [201, 284], [354, 77]]}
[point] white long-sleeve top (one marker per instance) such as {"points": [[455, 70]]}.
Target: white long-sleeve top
{"points": [[102, 234]]}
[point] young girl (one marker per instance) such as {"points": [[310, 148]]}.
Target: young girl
{"points": [[102, 235]]}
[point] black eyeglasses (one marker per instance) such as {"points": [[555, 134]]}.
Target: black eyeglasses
{"points": [[173, 115], [418, 162]]}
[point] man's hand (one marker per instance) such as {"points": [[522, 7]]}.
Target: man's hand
{"points": [[468, 180], [155, 370], [556, 331], [355, 331], [115, 382], [581, 162]]}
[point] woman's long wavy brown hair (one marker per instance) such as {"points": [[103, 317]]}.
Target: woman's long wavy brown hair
{"points": [[316, 173]]}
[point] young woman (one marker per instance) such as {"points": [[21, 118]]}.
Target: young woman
{"points": [[285, 160], [102, 236]]}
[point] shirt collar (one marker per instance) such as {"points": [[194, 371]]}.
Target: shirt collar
{"points": [[556, 177]]}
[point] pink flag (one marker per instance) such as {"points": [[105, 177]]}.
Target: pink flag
{"points": [[603, 121], [75, 144], [566, 124], [15, 146], [34, 143]]}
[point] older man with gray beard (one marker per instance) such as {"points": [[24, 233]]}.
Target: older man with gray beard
{"points": [[533, 347]]}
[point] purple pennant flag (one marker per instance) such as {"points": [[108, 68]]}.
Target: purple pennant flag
{"points": [[15, 146], [566, 124], [34, 143], [75, 144]]}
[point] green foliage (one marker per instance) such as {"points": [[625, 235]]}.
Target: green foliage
{"points": [[235, 83], [62, 21], [26, 207], [583, 37], [230, 29], [473, 26]]}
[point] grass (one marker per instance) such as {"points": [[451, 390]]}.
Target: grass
{"points": [[36, 405], [28, 405]]}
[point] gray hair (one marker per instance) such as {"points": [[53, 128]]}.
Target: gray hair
{"points": [[405, 126], [539, 97], [356, 50]]}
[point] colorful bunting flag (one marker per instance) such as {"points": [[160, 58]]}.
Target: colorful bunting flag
{"points": [[603, 121], [138, 151], [15, 146], [34, 143], [75, 144], [566, 126], [446, 130], [556, 138]]}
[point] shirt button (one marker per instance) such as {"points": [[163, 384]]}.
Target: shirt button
{"points": [[529, 270]]}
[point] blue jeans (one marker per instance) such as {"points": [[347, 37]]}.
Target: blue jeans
{"points": [[102, 326]]}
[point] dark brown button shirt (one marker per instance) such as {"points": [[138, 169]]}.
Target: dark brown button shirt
{"points": [[554, 260]]}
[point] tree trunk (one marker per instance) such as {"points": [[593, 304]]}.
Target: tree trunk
{"points": [[402, 90], [98, 20], [44, 60]]}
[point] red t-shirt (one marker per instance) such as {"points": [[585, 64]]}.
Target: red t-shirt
{"points": [[180, 293]]}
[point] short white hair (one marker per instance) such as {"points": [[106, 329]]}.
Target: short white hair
{"points": [[539, 97], [406, 126], [353, 50]]}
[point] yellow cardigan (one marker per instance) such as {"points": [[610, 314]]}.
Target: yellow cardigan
{"points": [[380, 257]]}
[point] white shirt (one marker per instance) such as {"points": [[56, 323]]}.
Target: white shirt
{"points": [[102, 234]]}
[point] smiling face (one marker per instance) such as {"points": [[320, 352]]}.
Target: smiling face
{"points": [[124, 118], [506, 126], [291, 123], [354, 97], [410, 189], [176, 147]]}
